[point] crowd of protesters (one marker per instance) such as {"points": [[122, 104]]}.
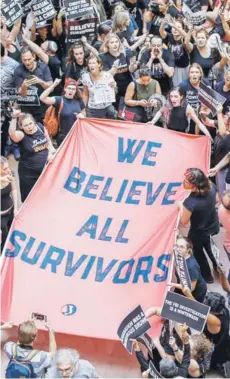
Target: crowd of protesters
{"points": [[145, 64]]}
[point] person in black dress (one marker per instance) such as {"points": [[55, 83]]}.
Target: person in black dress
{"points": [[35, 150], [200, 209]]}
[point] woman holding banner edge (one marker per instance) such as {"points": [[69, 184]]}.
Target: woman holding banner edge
{"points": [[200, 209]]}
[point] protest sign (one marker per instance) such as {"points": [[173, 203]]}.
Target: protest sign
{"points": [[133, 326], [12, 12], [77, 8], [43, 10], [118, 246], [216, 254], [11, 94], [193, 5], [182, 269], [77, 29], [196, 19], [146, 340], [103, 93], [26, 6], [210, 98], [223, 48], [181, 309], [153, 372]]}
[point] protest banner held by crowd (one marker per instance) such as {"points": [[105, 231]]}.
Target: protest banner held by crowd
{"points": [[119, 109]]}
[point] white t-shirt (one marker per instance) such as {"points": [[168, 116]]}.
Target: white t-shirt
{"points": [[101, 94]]}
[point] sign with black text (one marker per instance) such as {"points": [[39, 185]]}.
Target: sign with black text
{"points": [[196, 19], [182, 270], [216, 254], [26, 6], [12, 12], [77, 29], [210, 98], [77, 8], [153, 371], [43, 10], [132, 327], [146, 340], [193, 5], [183, 310], [11, 94]]}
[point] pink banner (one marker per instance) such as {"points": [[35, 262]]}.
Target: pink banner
{"points": [[94, 238]]}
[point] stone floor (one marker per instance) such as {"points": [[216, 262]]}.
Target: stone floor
{"points": [[109, 357]]}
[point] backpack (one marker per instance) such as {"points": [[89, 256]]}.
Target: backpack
{"points": [[52, 119], [19, 366]]}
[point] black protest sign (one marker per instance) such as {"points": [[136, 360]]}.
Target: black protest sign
{"points": [[210, 98], [43, 10], [77, 8], [183, 310], [12, 12], [77, 29], [132, 327], [216, 254], [193, 5], [153, 372], [31, 99], [26, 5], [146, 340], [182, 270]]}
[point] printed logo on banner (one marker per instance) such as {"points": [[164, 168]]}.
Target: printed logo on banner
{"points": [[43, 10], [133, 326], [12, 12], [196, 19], [69, 309], [77, 29], [178, 308], [77, 8], [210, 98]]}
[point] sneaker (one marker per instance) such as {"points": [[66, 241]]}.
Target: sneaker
{"points": [[209, 279]]}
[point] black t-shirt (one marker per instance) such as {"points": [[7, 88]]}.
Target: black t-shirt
{"points": [[39, 41], [123, 76], [136, 9], [204, 218], [205, 63], [220, 90], [191, 93], [157, 69], [221, 147], [195, 274], [159, 17], [178, 120], [224, 331], [67, 116], [34, 150], [55, 67], [42, 71], [74, 70], [177, 49], [97, 45]]}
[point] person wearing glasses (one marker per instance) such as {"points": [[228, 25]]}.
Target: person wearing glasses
{"points": [[67, 364]]}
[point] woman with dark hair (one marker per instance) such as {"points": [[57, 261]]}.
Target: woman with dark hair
{"points": [[157, 12], [199, 287], [177, 112], [200, 209], [69, 106], [35, 150], [217, 329], [75, 61], [139, 92], [102, 31], [99, 90]]}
